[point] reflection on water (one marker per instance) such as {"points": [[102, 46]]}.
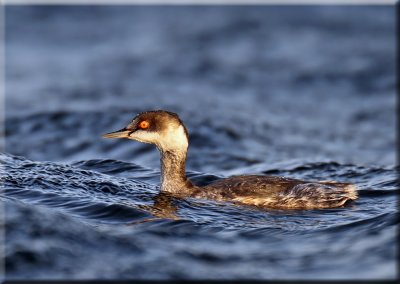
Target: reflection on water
{"points": [[163, 207]]}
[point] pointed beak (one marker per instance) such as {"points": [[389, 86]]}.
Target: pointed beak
{"points": [[123, 133]]}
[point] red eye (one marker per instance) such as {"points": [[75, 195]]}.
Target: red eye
{"points": [[144, 124]]}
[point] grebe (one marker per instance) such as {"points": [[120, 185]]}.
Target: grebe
{"points": [[165, 130]]}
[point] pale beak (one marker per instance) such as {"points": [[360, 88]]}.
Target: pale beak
{"points": [[123, 133]]}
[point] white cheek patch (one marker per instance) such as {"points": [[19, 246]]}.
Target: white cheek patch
{"points": [[174, 138], [145, 136], [170, 139]]}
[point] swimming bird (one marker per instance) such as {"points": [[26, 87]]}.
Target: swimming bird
{"points": [[167, 132]]}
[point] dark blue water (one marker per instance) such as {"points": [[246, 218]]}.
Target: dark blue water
{"points": [[304, 92]]}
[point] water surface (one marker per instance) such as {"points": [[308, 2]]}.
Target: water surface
{"points": [[302, 92]]}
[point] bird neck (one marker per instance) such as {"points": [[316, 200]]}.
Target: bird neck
{"points": [[173, 176]]}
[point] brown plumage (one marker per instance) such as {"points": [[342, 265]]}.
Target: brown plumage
{"points": [[166, 131]]}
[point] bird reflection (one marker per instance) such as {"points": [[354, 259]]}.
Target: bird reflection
{"points": [[163, 208]]}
